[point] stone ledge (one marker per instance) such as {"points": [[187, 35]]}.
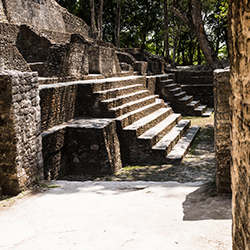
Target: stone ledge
{"points": [[83, 146]]}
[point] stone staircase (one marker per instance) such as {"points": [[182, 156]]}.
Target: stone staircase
{"points": [[179, 100], [149, 130]]}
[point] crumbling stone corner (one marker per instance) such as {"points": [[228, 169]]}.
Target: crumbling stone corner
{"points": [[21, 159], [222, 125]]}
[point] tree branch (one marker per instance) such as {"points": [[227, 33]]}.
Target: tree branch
{"points": [[182, 15]]}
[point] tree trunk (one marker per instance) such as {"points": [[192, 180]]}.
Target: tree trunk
{"points": [[199, 54], [191, 52], [118, 24], [92, 8], [183, 57], [176, 39], [166, 30], [100, 21], [195, 23], [157, 46], [144, 35]]}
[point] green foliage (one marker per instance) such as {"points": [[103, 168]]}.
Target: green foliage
{"points": [[142, 26]]}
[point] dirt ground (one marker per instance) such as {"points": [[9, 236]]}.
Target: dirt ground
{"points": [[153, 207]]}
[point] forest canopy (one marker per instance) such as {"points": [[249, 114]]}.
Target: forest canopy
{"points": [[168, 28]]}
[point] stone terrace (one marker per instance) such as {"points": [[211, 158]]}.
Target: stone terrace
{"points": [[148, 129]]}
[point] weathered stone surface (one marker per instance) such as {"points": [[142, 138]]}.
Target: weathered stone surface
{"points": [[3, 17], [155, 64], [140, 67], [80, 147], [33, 46], [196, 81], [44, 14], [126, 67], [13, 60], [125, 57], [240, 134], [92, 150], [67, 60], [142, 61], [202, 92], [151, 85], [20, 145], [43, 31], [57, 104], [53, 147], [103, 60], [222, 117]]}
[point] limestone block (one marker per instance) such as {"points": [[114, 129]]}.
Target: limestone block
{"points": [[81, 147], [44, 14], [20, 148], [57, 104], [141, 67], [222, 92], [103, 60], [66, 60]]}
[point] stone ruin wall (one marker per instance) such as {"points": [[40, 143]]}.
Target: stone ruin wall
{"points": [[3, 18], [21, 145], [34, 31], [222, 125], [196, 81], [57, 104], [40, 125], [42, 14], [239, 30], [73, 145]]}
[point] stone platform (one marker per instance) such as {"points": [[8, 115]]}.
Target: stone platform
{"points": [[83, 146]]}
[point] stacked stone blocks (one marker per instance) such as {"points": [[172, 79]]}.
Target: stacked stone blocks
{"points": [[21, 159], [240, 133], [222, 126], [86, 146]]}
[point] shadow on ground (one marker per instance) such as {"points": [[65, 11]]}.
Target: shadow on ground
{"points": [[206, 204]]}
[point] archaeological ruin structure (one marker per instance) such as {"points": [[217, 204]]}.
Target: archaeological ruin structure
{"points": [[240, 133], [74, 105], [90, 108], [232, 123]]}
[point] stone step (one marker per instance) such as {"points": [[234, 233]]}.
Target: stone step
{"points": [[114, 102], [39, 67], [171, 76], [131, 106], [186, 99], [113, 93], [181, 148], [200, 110], [47, 80], [180, 95], [194, 104], [167, 81], [190, 107], [153, 135], [165, 76], [133, 116], [140, 126], [176, 92], [117, 82], [208, 113], [172, 86], [165, 145]]}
